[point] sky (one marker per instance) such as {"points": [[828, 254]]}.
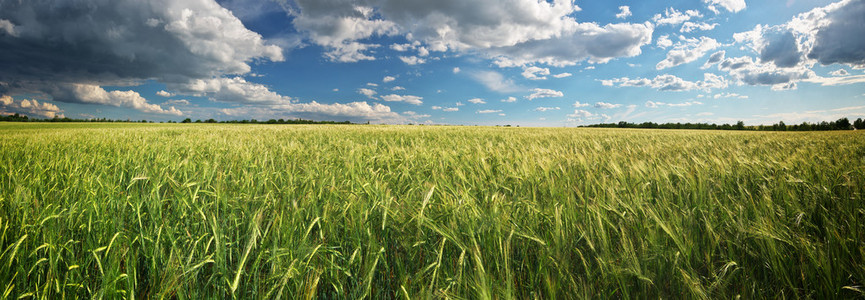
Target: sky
{"points": [[465, 62]]}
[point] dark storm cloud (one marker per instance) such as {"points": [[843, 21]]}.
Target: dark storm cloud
{"points": [[841, 40], [57, 46]]}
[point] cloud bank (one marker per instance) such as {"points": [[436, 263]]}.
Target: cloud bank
{"points": [[514, 32]]}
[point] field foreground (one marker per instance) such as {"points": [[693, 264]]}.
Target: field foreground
{"points": [[262, 211]]}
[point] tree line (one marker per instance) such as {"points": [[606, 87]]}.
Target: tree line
{"points": [[271, 121], [23, 118], [840, 124]]}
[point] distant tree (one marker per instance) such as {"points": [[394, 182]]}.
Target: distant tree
{"points": [[859, 124], [198, 121], [842, 124], [740, 125], [211, 120], [823, 126], [187, 120]]}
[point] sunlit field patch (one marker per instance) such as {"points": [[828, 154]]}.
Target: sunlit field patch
{"points": [[282, 211]]}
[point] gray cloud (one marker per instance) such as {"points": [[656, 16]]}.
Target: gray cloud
{"points": [[714, 59], [828, 35], [781, 49], [840, 41], [104, 40], [735, 63], [60, 45], [499, 29], [746, 71], [766, 78], [590, 42]]}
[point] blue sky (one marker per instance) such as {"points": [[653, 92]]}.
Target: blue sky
{"points": [[482, 62]]}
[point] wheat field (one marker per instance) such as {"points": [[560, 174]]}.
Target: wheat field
{"points": [[192, 211]]}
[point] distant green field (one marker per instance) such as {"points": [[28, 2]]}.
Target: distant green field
{"points": [[194, 211]]}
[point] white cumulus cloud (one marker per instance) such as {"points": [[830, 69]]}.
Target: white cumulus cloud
{"points": [[688, 50], [579, 113], [730, 5], [579, 104], [655, 104], [624, 12], [31, 108], [839, 72], [353, 111], [667, 82], [412, 60], [544, 108], [693, 26], [664, 41], [544, 93], [535, 73], [672, 16], [230, 89], [606, 105], [403, 98], [86, 93], [367, 92]]}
